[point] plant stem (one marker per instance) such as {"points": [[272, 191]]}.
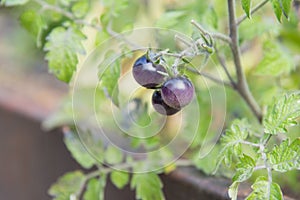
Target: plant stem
{"points": [[242, 85], [219, 36], [208, 76], [256, 8], [223, 64], [269, 169]]}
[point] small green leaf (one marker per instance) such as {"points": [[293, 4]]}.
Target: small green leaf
{"points": [[80, 8], [237, 133], [260, 188], [170, 19], [67, 185], [246, 4], [285, 157], [119, 178], [109, 81], [78, 150], [244, 169], [286, 6], [113, 155], [276, 61], [14, 2], [95, 189], [62, 47], [277, 9], [282, 113], [210, 18], [148, 186], [233, 190], [34, 24]]}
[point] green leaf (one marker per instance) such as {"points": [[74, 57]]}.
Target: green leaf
{"points": [[114, 13], [210, 18], [113, 155], [285, 157], [277, 9], [67, 185], [282, 113], [276, 61], [109, 79], [244, 169], [281, 6], [119, 178], [286, 6], [34, 24], [169, 19], [62, 47], [78, 150], [14, 2], [80, 8], [148, 186], [95, 189], [237, 133], [260, 188], [246, 4], [233, 190]]}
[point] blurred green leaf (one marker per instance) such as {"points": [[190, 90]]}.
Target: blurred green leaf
{"points": [[244, 169], [277, 9], [14, 2], [80, 8], [34, 24], [285, 157], [233, 190], [119, 178], [210, 18], [76, 146], [260, 188], [109, 79], [281, 7], [95, 189], [62, 48], [68, 185], [246, 4], [148, 186], [115, 10], [169, 19], [286, 6], [275, 62], [282, 113], [113, 155]]}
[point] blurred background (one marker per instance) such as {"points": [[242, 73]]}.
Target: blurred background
{"points": [[32, 159]]}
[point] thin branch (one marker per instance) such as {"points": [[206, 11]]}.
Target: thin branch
{"points": [[256, 8], [184, 41], [219, 36], [259, 167], [224, 66], [269, 169], [242, 85], [250, 143], [208, 76]]}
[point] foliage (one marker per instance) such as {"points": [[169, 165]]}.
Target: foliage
{"points": [[65, 30]]}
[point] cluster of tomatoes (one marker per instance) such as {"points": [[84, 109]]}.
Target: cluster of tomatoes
{"points": [[171, 93]]}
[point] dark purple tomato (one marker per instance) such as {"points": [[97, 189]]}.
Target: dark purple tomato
{"points": [[147, 74], [160, 106], [177, 92]]}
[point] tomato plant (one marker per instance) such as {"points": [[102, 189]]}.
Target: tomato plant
{"points": [[143, 101]]}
